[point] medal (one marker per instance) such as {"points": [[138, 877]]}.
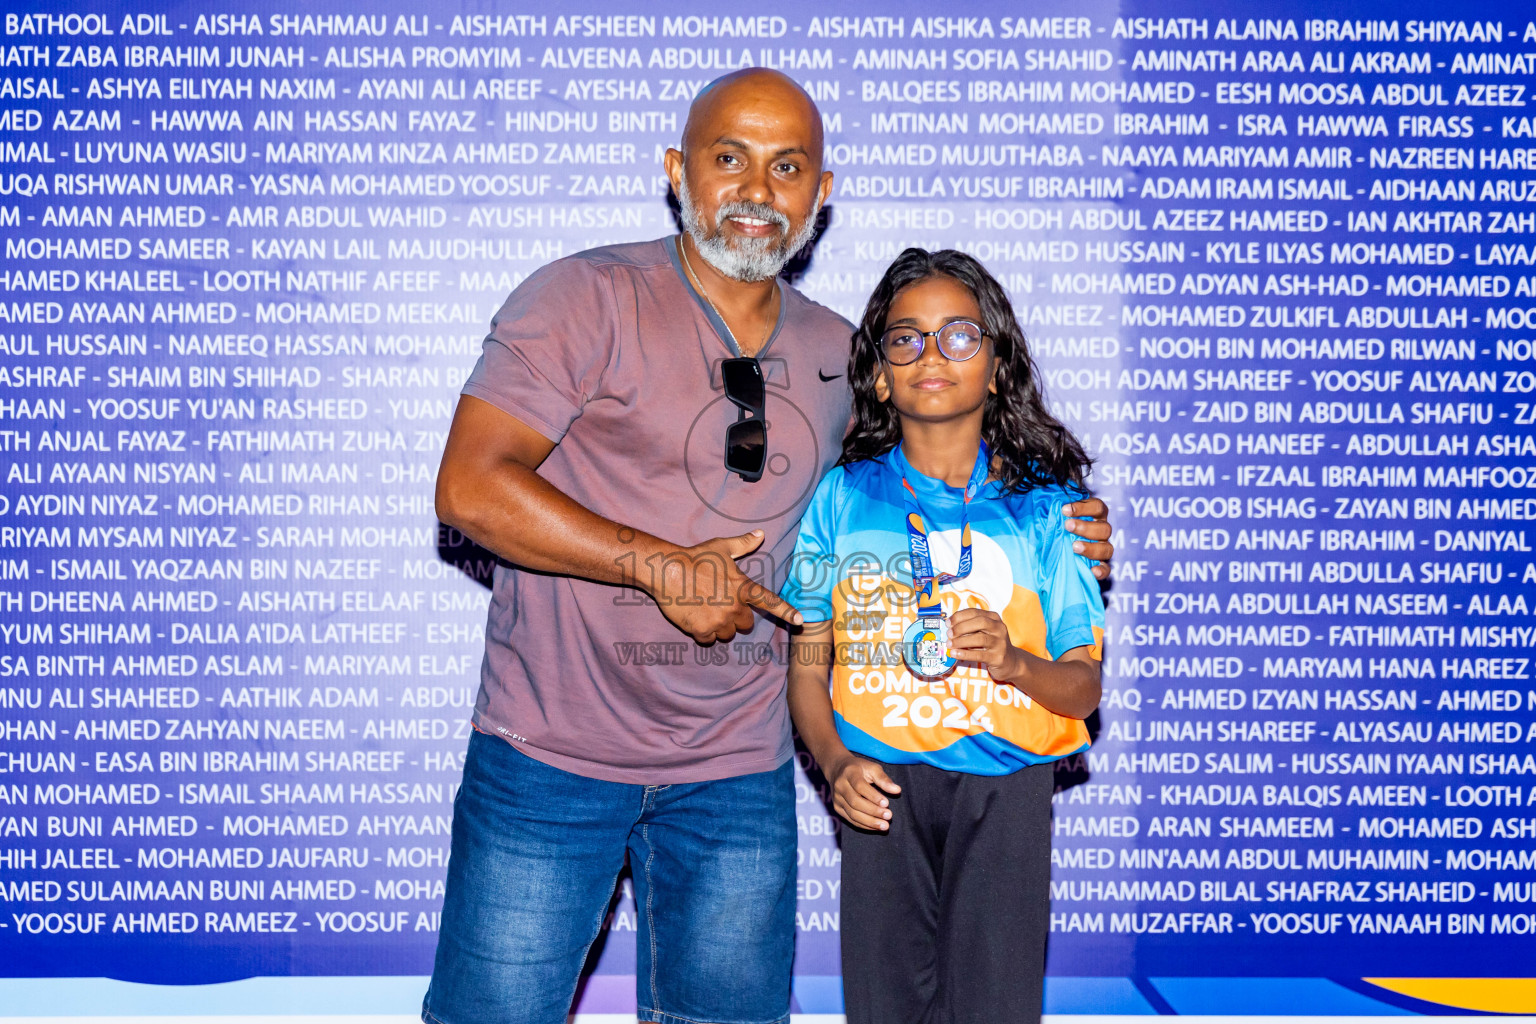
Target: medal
{"points": [[925, 644], [925, 647]]}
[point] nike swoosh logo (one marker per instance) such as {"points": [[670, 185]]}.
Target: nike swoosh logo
{"points": [[825, 377]]}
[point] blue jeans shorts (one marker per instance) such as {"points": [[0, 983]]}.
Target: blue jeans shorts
{"points": [[536, 853]]}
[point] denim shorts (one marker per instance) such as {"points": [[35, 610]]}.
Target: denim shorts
{"points": [[536, 853]]}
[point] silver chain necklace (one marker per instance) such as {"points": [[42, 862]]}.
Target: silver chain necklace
{"points": [[703, 291]]}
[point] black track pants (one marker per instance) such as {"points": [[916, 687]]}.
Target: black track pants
{"points": [[945, 917]]}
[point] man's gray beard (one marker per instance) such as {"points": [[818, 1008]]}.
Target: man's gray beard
{"points": [[751, 259]]}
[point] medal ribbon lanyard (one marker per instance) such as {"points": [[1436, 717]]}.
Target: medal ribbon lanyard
{"points": [[924, 582]]}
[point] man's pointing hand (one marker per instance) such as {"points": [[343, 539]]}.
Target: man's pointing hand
{"points": [[703, 592]]}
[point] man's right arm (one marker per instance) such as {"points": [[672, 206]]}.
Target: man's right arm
{"points": [[489, 489]]}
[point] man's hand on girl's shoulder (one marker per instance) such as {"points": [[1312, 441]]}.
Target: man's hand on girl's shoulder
{"points": [[1095, 529]]}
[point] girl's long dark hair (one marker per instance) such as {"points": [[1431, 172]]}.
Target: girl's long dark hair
{"points": [[1032, 448]]}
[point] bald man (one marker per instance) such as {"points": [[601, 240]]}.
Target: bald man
{"points": [[638, 441]]}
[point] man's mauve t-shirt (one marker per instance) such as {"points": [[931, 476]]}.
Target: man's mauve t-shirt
{"points": [[612, 354]]}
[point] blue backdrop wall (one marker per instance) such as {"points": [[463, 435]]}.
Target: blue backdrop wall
{"points": [[1275, 259]]}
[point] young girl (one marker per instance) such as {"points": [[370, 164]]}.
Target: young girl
{"points": [[962, 636]]}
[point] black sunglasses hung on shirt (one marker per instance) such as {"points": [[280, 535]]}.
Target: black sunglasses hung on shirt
{"points": [[746, 440]]}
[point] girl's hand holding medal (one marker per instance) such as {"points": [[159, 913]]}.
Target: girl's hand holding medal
{"points": [[980, 636]]}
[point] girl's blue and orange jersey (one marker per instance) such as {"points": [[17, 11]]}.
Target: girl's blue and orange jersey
{"points": [[851, 566]]}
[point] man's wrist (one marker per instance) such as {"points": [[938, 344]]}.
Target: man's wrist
{"points": [[652, 559]]}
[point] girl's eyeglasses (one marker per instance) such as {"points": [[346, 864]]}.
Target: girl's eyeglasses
{"points": [[959, 340]]}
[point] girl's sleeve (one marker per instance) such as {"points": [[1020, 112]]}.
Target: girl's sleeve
{"points": [[1069, 593], [812, 575]]}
